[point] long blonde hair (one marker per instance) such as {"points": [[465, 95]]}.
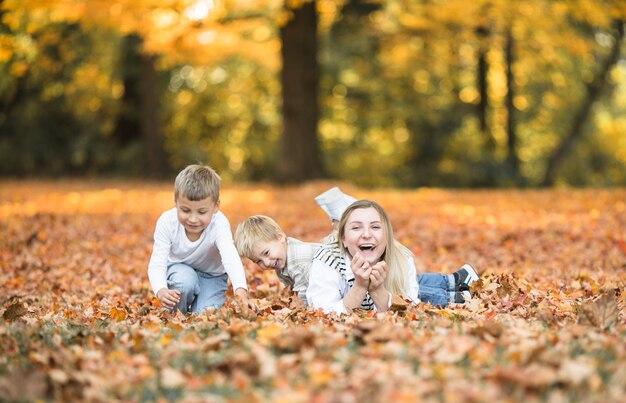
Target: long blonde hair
{"points": [[396, 255]]}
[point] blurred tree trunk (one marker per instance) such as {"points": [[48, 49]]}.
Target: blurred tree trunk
{"points": [[128, 125], [300, 155], [151, 128], [483, 85], [138, 119], [594, 91], [512, 160], [12, 95]]}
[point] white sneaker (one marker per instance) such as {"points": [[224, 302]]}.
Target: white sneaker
{"points": [[465, 276], [334, 202]]}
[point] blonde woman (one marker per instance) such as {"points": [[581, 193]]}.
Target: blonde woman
{"points": [[364, 267]]}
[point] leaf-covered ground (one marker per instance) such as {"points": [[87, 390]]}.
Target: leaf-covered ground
{"points": [[547, 322]]}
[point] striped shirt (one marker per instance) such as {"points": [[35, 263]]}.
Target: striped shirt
{"points": [[331, 256]]}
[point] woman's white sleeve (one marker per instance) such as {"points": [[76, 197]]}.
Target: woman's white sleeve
{"points": [[413, 286], [326, 289]]}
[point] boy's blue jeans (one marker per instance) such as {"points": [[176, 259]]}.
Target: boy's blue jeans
{"points": [[435, 288], [198, 290]]}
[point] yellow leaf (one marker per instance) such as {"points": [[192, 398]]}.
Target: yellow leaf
{"points": [[190, 340], [445, 313], [166, 339], [321, 374], [117, 314], [269, 333]]}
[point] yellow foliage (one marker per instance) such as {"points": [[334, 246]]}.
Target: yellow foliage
{"points": [[269, 333], [117, 314]]}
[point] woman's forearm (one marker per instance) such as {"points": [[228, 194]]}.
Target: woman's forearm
{"points": [[354, 297], [381, 297]]}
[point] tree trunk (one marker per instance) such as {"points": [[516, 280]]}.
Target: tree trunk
{"points": [[128, 124], [594, 90], [512, 160], [13, 95], [300, 156], [483, 85], [138, 122], [151, 129]]}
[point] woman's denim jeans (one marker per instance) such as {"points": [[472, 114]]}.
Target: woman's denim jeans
{"points": [[436, 289]]}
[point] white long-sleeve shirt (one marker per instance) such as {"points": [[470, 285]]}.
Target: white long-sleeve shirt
{"points": [[213, 253], [327, 287]]}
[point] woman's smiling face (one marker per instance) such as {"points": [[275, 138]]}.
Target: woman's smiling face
{"points": [[365, 233]]}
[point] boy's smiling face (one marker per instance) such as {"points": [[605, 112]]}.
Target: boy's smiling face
{"points": [[271, 255], [195, 216]]}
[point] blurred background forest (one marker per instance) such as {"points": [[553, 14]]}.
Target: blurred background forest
{"points": [[407, 93]]}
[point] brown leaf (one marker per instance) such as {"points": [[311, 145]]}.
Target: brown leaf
{"points": [[23, 386], [533, 376], [215, 342], [487, 329], [295, 339], [14, 311], [374, 331], [602, 312], [398, 304], [508, 287]]}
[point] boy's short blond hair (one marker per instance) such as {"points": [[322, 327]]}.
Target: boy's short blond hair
{"points": [[255, 229], [197, 182]]}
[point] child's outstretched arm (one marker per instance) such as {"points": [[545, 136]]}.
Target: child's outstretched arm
{"points": [[246, 306], [157, 267], [234, 268], [169, 298]]}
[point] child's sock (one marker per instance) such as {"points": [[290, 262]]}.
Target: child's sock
{"points": [[459, 297]]}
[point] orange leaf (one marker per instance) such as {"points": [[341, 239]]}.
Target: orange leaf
{"points": [[269, 333], [117, 314]]}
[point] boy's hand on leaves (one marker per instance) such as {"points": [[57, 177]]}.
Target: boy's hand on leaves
{"points": [[378, 275], [247, 308], [169, 298]]}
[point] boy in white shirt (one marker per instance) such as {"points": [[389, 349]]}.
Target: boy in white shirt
{"points": [[193, 254]]}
